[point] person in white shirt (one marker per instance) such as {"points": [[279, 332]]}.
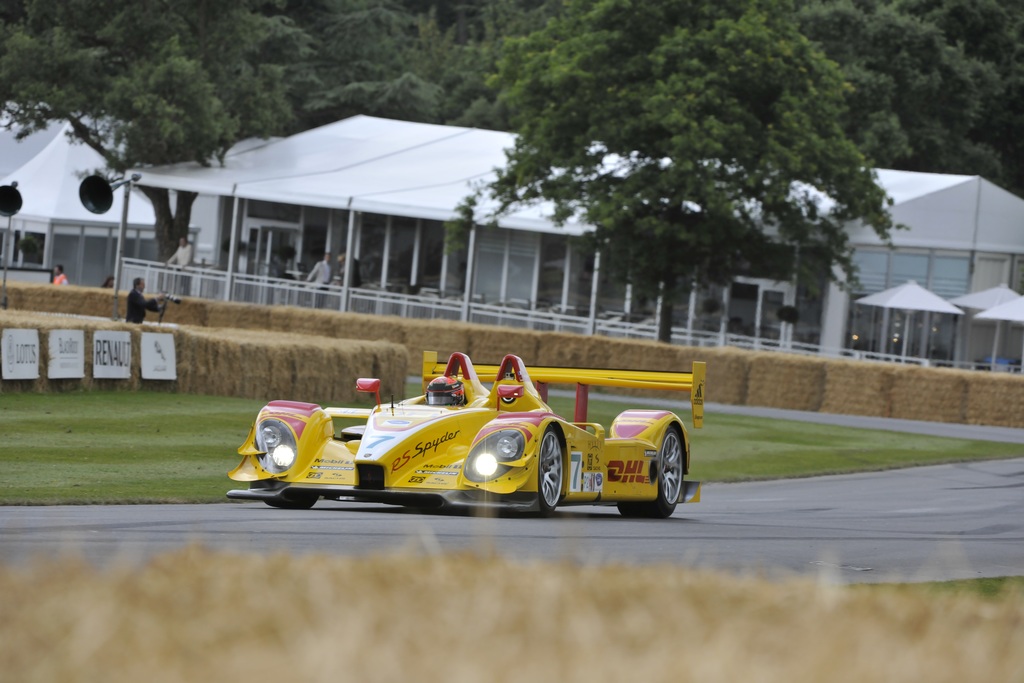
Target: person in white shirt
{"points": [[321, 273], [181, 282], [183, 256]]}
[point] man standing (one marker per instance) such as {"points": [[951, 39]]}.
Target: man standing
{"points": [[138, 304], [59, 278]]}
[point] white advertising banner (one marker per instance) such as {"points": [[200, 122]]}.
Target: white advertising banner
{"points": [[19, 354], [158, 359], [67, 354], [111, 354]]}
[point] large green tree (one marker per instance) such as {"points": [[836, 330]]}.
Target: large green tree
{"points": [[147, 82], [923, 78], [700, 139], [358, 61]]}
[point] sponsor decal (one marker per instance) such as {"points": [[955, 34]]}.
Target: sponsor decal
{"points": [[400, 462], [314, 475], [450, 471], [697, 398], [416, 480], [593, 482], [576, 471], [425, 447], [20, 353], [158, 358], [67, 354], [111, 355], [628, 472]]}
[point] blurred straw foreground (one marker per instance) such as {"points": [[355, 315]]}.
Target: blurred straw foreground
{"points": [[200, 615]]}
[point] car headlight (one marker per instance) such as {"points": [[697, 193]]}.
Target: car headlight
{"points": [[486, 460], [277, 441]]}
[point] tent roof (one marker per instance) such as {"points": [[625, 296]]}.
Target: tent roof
{"points": [[945, 211], [368, 164], [48, 184], [425, 170]]}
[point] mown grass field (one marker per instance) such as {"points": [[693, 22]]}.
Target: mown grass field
{"points": [[120, 447]]}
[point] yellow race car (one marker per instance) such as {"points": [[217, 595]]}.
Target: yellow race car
{"points": [[461, 443]]}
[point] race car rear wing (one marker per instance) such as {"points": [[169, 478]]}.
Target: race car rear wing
{"points": [[692, 382]]}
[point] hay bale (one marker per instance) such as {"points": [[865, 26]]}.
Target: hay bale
{"points": [[994, 398], [857, 388], [932, 394], [444, 336], [786, 381], [490, 343]]}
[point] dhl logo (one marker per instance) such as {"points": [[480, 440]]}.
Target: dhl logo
{"points": [[628, 472]]}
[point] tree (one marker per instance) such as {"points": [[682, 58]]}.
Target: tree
{"points": [[918, 92], [358, 62], [461, 58], [148, 83], [700, 140]]}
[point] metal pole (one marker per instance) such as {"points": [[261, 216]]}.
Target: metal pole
{"points": [[232, 250], [7, 258], [120, 242]]}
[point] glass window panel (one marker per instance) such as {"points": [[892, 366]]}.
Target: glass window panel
{"points": [[65, 252], [490, 265], [522, 257], [371, 249], [431, 255], [274, 210], [872, 270], [950, 276], [907, 267], [403, 242], [97, 261], [552, 270]]}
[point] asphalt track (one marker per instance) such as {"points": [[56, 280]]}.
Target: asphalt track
{"points": [[943, 522], [931, 523]]}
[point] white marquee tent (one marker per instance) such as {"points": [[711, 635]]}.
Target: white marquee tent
{"points": [[367, 164], [49, 181]]}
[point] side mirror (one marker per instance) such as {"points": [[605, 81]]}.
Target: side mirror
{"points": [[369, 385], [507, 392]]}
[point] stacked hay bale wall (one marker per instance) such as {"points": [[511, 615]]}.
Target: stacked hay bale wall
{"points": [[228, 362], [734, 376]]}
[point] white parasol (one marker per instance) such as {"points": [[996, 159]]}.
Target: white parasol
{"points": [[909, 297]]}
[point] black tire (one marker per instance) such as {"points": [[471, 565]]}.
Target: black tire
{"points": [[303, 503], [550, 472], [669, 471]]}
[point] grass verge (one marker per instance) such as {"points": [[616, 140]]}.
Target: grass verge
{"points": [[118, 447]]}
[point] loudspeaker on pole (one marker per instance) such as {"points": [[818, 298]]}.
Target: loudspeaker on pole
{"points": [[10, 200], [96, 194]]}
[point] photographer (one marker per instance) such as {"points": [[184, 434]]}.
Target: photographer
{"points": [[138, 304]]}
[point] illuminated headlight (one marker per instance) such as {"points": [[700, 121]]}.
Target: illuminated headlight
{"points": [[486, 460], [485, 465], [276, 440]]}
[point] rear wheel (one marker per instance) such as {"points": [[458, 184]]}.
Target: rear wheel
{"points": [[669, 471], [550, 472]]}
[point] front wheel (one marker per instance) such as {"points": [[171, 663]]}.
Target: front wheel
{"points": [[550, 472], [670, 466]]}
